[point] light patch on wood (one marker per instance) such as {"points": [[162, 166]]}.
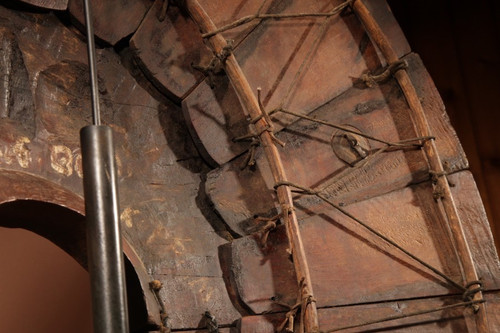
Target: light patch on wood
{"points": [[18, 152], [61, 159], [127, 216], [78, 165]]}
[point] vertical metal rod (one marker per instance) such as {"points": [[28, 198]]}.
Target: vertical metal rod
{"points": [[105, 254], [96, 113]]}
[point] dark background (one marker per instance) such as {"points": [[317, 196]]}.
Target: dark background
{"points": [[459, 42]]}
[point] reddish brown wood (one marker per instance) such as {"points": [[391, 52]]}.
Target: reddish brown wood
{"points": [[167, 224], [24, 203], [249, 102], [443, 321], [238, 194], [422, 127], [112, 21], [350, 266], [16, 101], [344, 51], [49, 4], [165, 50]]}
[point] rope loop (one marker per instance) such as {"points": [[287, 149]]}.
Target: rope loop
{"points": [[372, 80], [211, 322], [470, 293], [301, 189], [216, 64], [270, 224], [155, 287]]}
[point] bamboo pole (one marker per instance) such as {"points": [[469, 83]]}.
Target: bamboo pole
{"points": [[249, 101], [430, 150]]}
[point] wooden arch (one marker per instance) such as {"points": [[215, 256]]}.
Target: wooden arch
{"points": [[59, 215]]}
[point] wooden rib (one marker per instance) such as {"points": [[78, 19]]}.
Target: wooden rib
{"points": [[429, 147], [249, 102]]}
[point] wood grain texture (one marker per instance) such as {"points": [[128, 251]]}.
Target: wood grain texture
{"points": [[168, 226], [16, 101], [284, 196], [112, 21], [350, 266], [442, 321], [165, 51], [238, 194], [48, 4], [345, 51]]}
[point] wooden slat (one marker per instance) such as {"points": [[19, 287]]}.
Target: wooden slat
{"points": [[16, 101], [422, 127], [350, 266], [48, 4], [166, 49], [112, 21], [451, 320], [381, 112], [344, 53]]}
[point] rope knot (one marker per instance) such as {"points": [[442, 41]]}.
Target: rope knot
{"points": [[155, 287], [298, 188], [216, 64], [372, 80], [211, 322], [270, 224], [471, 289]]}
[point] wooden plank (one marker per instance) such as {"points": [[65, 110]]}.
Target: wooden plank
{"points": [[350, 266], [112, 21], [431, 153], [48, 4], [219, 120], [238, 195], [451, 320], [186, 299], [262, 125], [16, 100], [166, 49]]}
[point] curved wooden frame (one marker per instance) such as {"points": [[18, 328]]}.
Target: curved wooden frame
{"points": [[15, 185]]}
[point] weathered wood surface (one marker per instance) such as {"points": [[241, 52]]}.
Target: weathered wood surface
{"points": [[48, 4], [166, 49], [452, 320], [18, 107], [112, 21], [350, 266], [344, 51], [382, 112], [422, 128], [52, 211], [164, 218]]}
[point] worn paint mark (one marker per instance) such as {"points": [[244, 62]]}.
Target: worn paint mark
{"points": [[61, 160], [22, 152], [127, 216], [77, 158]]}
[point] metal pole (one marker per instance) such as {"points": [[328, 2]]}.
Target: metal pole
{"points": [[94, 91], [105, 254]]}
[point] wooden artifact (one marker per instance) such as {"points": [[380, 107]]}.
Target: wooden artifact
{"points": [[282, 165]]}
